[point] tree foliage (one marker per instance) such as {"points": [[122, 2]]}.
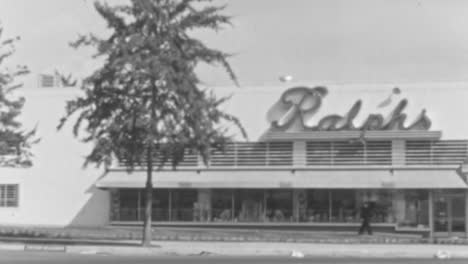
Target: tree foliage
{"points": [[145, 104], [15, 143], [147, 91]]}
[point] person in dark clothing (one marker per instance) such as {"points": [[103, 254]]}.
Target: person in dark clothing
{"points": [[366, 214]]}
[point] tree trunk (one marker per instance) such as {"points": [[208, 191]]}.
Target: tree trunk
{"points": [[147, 232]]}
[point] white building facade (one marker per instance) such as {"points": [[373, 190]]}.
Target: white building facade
{"points": [[314, 155]]}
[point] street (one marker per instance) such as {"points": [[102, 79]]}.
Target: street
{"points": [[47, 257]]}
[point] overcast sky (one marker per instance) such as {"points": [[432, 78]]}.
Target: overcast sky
{"points": [[326, 41]]}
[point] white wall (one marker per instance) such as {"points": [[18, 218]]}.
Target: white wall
{"points": [[56, 190]]}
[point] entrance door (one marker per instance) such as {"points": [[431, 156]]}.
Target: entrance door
{"points": [[449, 214]]}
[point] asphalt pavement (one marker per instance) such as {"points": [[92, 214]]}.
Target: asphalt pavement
{"points": [[52, 258]]}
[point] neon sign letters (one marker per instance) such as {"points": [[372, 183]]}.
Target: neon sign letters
{"points": [[303, 102]]}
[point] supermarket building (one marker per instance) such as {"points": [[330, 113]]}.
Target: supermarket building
{"points": [[315, 155]]}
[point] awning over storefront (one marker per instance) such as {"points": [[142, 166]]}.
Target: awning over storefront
{"points": [[319, 179]]}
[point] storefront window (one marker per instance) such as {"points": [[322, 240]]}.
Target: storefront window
{"points": [[408, 208], [160, 205], [381, 202], [449, 211], [184, 203], [221, 202], [318, 206], [278, 205], [248, 205], [344, 206], [412, 208], [383, 207], [128, 205]]}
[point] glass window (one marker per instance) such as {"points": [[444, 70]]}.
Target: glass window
{"points": [[183, 204], [128, 202], [318, 206], [381, 203], [160, 205], [132, 205], [278, 205], [221, 205], [414, 208], [248, 205], [344, 206], [11, 195], [8, 195], [384, 207]]}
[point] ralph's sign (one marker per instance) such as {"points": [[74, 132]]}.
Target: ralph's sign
{"points": [[301, 103]]}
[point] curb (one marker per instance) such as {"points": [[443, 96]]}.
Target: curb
{"points": [[254, 249], [246, 239], [209, 238]]}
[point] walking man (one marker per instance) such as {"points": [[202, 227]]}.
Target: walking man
{"points": [[366, 214]]}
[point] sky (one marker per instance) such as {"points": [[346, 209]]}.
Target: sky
{"points": [[319, 41]]}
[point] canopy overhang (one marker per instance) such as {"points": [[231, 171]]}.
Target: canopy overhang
{"points": [[289, 179]]}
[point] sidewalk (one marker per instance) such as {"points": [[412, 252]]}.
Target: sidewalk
{"points": [[234, 242], [165, 248]]}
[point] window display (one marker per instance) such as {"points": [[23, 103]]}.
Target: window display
{"points": [[221, 205], [414, 209], [184, 203], [318, 206], [278, 205], [160, 211], [249, 205], [407, 208], [129, 207], [344, 206], [381, 202], [383, 211]]}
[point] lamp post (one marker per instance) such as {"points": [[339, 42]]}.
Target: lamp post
{"points": [[285, 78]]}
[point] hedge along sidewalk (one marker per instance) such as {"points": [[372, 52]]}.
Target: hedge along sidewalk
{"points": [[108, 234]]}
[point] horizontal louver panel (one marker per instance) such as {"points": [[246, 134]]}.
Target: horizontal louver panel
{"points": [[447, 152], [190, 160], [348, 153], [323, 153], [280, 154], [256, 154]]}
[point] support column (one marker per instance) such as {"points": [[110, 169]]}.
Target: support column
{"points": [[138, 208], [398, 152], [466, 213], [114, 205], [330, 204], [297, 203], [264, 205], [299, 154], [170, 205], [431, 214], [204, 205], [233, 206]]}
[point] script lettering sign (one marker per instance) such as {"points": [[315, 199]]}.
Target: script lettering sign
{"points": [[303, 102]]}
